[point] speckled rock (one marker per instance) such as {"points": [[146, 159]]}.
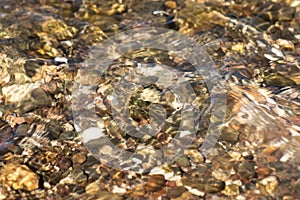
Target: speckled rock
{"points": [[232, 190], [268, 185], [19, 177]]}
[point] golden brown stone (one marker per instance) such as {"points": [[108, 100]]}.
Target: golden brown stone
{"points": [[92, 188], [79, 158], [155, 183], [19, 177], [171, 4], [263, 172], [232, 189], [268, 185]]}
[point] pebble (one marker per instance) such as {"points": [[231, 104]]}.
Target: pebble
{"points": [[246, 170], [91, 160], [19, 177], [31, 67], [183, 161], [213, 186], [195, 191], [64, 163], [229, 135], [232, 190], [40, 97], [68, 135], [171, 4], [268, 185], [22, 130], [176, 191], [61, 60], [63, 190], [235, 155], [92, 188], [50, 87], [4, 74], [287, 197], [160, 194], [15, 93], [263, 172], [79, 158], [194, 155], [77, 189], [155, 183], [118, 190], [285, 44]]}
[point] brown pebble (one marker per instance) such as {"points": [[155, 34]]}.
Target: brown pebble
{"points": [[22, 130], [19, 120], [171, 4], [63, 190], [155, 183], [171, 184], [79, 158], [176, 191], [214, 186], [64, 163], [270, 149], [263, 172], [40, 97]]}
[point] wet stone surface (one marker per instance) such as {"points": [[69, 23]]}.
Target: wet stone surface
{"points": [[254, 44]]}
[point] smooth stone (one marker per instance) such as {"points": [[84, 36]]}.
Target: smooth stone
{"points": [[40, 97], [183, 161], [213, 186], [22, 130]]}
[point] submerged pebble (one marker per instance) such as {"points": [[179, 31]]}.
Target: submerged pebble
{"points": [[19, 177]]}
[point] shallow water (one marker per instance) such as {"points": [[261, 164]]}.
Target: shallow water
{"points": [[54, 87]]}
